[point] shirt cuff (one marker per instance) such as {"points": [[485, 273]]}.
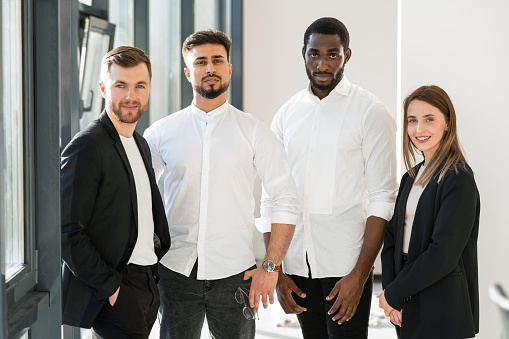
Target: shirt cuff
{"points": [[282, 217], [263, 224], [381, 209]]}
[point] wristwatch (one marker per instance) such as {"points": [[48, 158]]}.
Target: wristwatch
{"points": [[269, 266]]}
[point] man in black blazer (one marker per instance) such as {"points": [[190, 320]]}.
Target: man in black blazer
{"points": [[114, 228]]}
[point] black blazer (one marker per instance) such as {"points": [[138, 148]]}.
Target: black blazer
{"points": [[438, 289], [100, 218]]}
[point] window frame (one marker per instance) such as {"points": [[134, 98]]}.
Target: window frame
{"points": [[23, 282]]}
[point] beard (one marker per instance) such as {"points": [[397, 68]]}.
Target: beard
{"points": [[211, 93], [336, 78], [127, 117]]}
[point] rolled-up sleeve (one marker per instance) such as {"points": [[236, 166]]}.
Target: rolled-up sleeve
{"points": [[279, 203], [379, 152]]}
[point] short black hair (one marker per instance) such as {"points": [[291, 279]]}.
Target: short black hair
{"points": [[209, 36], [328, 26]]}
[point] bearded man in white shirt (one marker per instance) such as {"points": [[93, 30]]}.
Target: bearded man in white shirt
{"points": [[212, 153], [340, 142]]}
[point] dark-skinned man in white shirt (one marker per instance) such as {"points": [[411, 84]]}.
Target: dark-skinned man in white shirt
{"points": [[340, 142]]}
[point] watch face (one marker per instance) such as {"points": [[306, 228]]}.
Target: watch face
{"points": [[269, 266]]}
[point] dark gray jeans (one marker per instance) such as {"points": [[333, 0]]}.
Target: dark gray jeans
{"points": [[186, 301]]}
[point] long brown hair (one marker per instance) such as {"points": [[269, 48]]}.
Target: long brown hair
{"points": [[449, 153]]}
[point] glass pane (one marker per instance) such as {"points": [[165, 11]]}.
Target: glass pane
{"points": [[96, 48], [12, 121], [165, 56], [122, 15]]}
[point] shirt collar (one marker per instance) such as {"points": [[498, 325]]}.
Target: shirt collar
{"points": [[342, 88], [212, 114]]}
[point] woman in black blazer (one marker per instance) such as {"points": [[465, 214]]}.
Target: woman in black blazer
{"points": [[429, 259]]}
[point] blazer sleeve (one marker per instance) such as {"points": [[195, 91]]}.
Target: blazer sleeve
{"points": [[80, 177], [453, 225], [387, 256]]}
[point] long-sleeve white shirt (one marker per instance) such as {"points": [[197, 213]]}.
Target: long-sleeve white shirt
{"points": [[341, 150], [211, 161]]}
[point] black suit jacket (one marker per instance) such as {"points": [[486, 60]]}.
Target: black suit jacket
{"points": [[438, 289], [99, 218]]}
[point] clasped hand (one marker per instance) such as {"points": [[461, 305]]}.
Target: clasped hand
{"points": [[390, 312]]}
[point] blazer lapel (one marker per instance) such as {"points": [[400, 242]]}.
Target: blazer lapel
{"points": [[105, 119]]}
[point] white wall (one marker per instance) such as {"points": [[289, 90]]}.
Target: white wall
{"points": [[463, 46]]}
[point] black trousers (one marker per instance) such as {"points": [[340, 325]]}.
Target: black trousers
{"points": [[135, 311], [315, 323]]}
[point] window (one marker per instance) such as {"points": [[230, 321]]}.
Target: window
{"points": [[12, 136]]}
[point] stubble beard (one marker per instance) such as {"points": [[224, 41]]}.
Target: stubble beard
{"points": [[129, 117], [335, 79]]}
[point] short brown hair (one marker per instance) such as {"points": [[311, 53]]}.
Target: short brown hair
{"points": [[209, 36], [125, 56]]}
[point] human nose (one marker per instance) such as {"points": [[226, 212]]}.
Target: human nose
{"points": [[130, 94], [322, 65], [420, 128], [210, 68]]}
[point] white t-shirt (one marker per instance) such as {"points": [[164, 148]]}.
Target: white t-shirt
{"points": [[411, 206], [143, 253]]}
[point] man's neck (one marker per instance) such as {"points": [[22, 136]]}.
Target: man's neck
{"points": [[208, 105], [124, 129]]}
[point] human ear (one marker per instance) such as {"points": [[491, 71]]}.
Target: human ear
{"points": [[187, 72]]}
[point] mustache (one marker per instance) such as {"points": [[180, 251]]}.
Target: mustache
{"points": [[205, 77], [323, 73], [129, 103]]}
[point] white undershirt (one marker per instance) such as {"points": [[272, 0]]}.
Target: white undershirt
{"points": [[411, 206], [143, 253]]}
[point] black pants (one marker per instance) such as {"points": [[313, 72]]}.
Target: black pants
{"points": [[135, 310], [316, 323]]}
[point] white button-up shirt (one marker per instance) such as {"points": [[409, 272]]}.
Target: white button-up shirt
{"points": [[211, 161], [342, 153]]}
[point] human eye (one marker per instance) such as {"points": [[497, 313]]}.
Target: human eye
{"points": [[334, 55], [218, 61], [141, 86], [430, 119], [313, 54], [412, 120], [120, 86]]}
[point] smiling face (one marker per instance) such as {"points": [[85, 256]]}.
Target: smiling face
{"points": [[126, 91], [426, 126], [208, 70], [325, 61]]}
